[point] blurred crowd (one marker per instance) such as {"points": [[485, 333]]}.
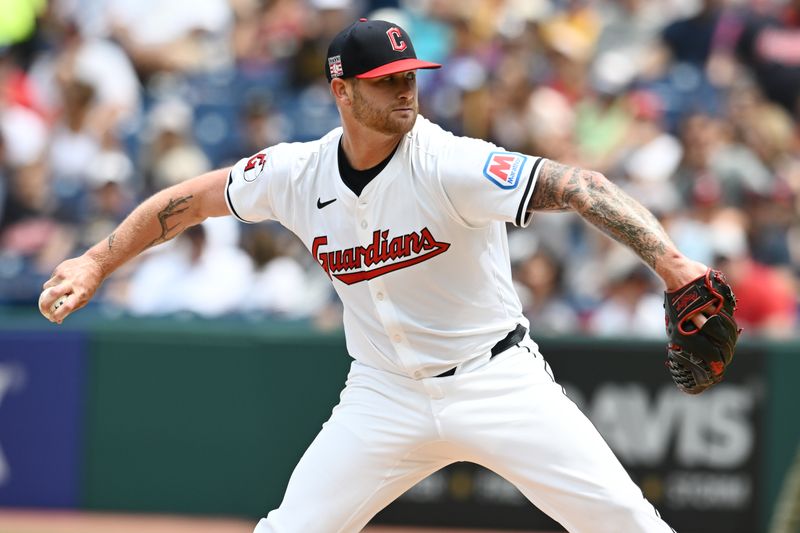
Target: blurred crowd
{"points": [[692, 106]]}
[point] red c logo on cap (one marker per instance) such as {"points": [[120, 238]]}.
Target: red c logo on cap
{"points": [[394, 34]]}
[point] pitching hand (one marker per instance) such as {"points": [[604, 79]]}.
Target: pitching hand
{"points": [[77, 279]]}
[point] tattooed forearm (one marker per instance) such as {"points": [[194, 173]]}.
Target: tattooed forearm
{"points": [[111, 239], [174, 207], [620, 216], [603, 204]]}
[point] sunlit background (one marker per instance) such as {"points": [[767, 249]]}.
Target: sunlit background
{"points": [[692, 106]]}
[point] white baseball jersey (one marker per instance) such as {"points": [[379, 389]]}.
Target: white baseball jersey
{"points": [[420, 259]]}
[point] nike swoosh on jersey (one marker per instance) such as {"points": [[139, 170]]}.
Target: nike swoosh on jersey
{"points": [[321, 204]]}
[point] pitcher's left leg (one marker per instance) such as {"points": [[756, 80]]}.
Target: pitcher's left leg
{"points": [[536, 438]]}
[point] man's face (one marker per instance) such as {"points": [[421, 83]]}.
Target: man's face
{"points": [[388, 104]]}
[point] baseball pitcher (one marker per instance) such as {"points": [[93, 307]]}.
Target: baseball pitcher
{"points": [[409, 223]]}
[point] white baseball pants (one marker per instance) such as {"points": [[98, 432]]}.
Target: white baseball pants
{"points": [[507, 414]]}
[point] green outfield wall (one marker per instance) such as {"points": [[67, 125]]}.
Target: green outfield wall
{"points": [[209, 417]]}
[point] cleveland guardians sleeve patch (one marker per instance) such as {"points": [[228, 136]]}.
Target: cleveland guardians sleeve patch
{"points": [[484, 183], [248, 189]]}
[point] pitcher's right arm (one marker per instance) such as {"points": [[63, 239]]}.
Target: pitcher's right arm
{"points": [[158, 219]]}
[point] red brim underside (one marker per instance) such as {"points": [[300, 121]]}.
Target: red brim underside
{"points": [[401, 65]]}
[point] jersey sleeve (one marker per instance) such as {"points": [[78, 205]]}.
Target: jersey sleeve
{"points": [[483, 182], [250, 184]]}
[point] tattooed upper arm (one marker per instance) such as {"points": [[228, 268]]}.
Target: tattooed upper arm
{"points": [[556, 187]]}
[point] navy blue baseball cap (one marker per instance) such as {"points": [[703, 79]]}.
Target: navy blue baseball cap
{"points": [[371, 49]]}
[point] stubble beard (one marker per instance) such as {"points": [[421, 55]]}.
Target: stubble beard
{"points": [[381, 120]]}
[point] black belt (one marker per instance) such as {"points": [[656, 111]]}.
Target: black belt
{"points": [[513, 337]]}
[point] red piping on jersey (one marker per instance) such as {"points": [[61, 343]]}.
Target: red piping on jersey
{"points": [[415, 246]]}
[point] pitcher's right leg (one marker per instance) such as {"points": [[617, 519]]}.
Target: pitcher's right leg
{"points": [[380, 441]]}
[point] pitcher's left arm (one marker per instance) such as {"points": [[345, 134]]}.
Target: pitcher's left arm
{"points": [[607, 207]]}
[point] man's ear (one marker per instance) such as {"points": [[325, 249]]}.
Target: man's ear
{"points": [[340, 91]]}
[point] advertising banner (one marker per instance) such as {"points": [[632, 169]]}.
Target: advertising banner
{"points": [[41, 386], [695, 457]]}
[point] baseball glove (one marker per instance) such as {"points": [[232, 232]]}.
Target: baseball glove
{"points": [[697, 357]]}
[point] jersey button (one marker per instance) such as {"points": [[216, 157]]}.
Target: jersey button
{"points": [[364, 224], [379, 296], [396, 338]]}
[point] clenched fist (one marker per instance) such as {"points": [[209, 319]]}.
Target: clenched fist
{"points": [[71, 286]]}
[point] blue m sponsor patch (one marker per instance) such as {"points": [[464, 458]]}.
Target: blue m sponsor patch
{"points": [[504, 169]]}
